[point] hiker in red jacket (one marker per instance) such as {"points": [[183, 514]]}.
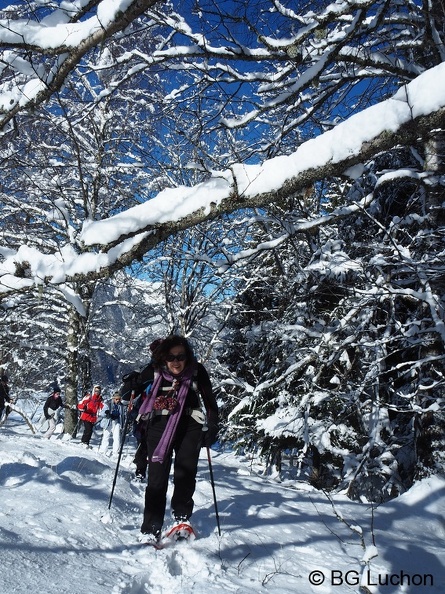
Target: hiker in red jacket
{"points": [[89, 406]]}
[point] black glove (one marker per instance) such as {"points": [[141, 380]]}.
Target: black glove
{"points": [[210, 436], [107, 413]]}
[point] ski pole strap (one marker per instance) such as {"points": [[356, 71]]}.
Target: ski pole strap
{"points": [[195, 413], [132, 398]]}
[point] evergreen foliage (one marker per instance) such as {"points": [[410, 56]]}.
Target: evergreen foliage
{"points": [[345, 380]]}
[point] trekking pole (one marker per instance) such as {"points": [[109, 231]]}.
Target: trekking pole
{"points": [[76, 428], [212, 482], [130, 406]]}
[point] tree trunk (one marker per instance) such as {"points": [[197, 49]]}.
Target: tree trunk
{"points": [[71, 378], [435, 163]]}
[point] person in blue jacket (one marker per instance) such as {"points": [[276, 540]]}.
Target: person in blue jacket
{"points": [[112, 423]]}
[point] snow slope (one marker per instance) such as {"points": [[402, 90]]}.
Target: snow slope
{"points": [[58, 535]]}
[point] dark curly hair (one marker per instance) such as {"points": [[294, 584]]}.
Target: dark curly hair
{"points": [[163, 348]]}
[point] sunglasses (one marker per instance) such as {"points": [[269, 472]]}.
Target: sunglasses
{"points": [[180, 357]]}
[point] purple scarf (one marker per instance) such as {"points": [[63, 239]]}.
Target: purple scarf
{"points": [[184, 384]]}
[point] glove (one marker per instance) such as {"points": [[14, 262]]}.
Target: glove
{"points": [[210, 436], [107, 413]]}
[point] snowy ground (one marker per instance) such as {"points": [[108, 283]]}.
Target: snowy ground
{"points": [[59, 536]]}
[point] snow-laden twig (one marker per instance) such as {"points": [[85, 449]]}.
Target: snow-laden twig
{"points": [[370, 552], [18, 410]]}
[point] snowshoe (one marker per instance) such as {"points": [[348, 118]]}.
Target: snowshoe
{"points": [[149, 540], [181, 531]]}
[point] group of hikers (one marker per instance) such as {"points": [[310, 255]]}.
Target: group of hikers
{"points": [[174, 414], [92, 409]]}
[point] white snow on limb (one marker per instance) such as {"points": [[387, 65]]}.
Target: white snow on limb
{"points": [[399, 174], [419, 97], [172, 204], [356, 528], [31, 90], [244, 403], [334, 262], [72, 297], [54, 31], [42, 268], [355, 171], [424, 95], [283, 423], [370, 553]]}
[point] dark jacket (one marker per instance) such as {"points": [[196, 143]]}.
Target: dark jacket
{"points": [[52, 403], [141, 381], [4, 394]]}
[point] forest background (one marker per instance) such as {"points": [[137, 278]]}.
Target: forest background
{"points": [[316, 301]]}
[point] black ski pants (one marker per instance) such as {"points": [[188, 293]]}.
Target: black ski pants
{"points": [[185, 447], [87, 432]]}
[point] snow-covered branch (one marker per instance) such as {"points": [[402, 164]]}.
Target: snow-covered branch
{"points": [[412, 112], [44, 37]]}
